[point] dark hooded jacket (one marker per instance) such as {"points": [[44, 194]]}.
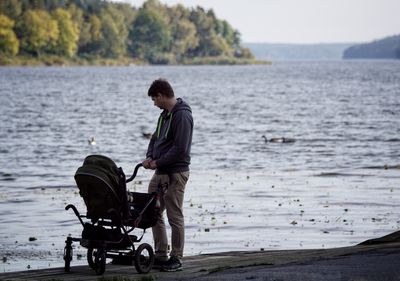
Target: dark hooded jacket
{"points": [[171, 142]]}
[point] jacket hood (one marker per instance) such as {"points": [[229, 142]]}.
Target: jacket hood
{"points": [[181, 105], [167, 117]]}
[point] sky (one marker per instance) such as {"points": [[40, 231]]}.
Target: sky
{"points": [[304, 21]]}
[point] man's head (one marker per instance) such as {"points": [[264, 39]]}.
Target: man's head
{"points": [[162, 87], [161, 93]]}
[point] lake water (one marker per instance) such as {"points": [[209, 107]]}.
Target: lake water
{"points": [[337, 185]]}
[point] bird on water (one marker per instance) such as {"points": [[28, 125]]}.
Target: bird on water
{"points": [[278, 139], [92, 141]]}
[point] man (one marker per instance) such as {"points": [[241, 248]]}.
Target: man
{"points": [[169, 155]]}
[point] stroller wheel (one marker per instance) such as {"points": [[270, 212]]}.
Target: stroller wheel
{"points": [[144, 258], [100, 261], [91, 254]]}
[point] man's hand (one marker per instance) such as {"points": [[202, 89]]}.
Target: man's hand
{"points": [[153, 165], [146, 163]]}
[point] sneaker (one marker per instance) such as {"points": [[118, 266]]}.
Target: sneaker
{"points": [[172, 265]]}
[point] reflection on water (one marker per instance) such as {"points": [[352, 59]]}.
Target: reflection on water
{"points": [[336, 185]]}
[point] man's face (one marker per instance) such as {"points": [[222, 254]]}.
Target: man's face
{"points": [[158, 101]]}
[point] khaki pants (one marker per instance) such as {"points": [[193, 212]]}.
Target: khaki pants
{"points": [[171, 200]]}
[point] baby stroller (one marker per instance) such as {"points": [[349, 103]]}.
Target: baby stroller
{"points": [[111, 216]]}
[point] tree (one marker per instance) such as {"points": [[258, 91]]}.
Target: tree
{"points": [[150, 36], [11, 8], [9, 43], [69, 33], [39, 32], [225, 30], [184, 35], [87, 43], [95, 28], [244, 53], [156, 6], [210, 43], [114, 33], [127, 11], [92, 40], [37, 4], [155, 33], [110, 35]]}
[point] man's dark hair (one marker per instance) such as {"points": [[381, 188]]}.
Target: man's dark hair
{"points": [[161, 86]]}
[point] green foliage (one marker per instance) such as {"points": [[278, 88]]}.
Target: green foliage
{"points": [[69, 33], [210, 42], [11, 8], [96, 29], [184, 33], [91, 40], [9, 43], [114, 33], [39, 32], [150, 36], [244, 53]]}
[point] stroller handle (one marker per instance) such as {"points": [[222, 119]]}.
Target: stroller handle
{"points": [[134, 172]]}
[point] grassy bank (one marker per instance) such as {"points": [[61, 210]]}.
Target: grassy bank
{"points": [[51, 60], [222, 61]]}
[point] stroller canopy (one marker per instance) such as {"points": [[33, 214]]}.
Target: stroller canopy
{"points": [[102, 185]]}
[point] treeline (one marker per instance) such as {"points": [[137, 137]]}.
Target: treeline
{"points": [[154, 33], [386, 48]]}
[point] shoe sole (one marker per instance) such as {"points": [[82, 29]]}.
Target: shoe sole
{"points": [[172, 270]]}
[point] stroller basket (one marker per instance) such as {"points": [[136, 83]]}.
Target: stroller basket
{"points": [[142, 213], [102, 185]]}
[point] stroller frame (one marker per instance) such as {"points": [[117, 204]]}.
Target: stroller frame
{"points": [[102, 245]]}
